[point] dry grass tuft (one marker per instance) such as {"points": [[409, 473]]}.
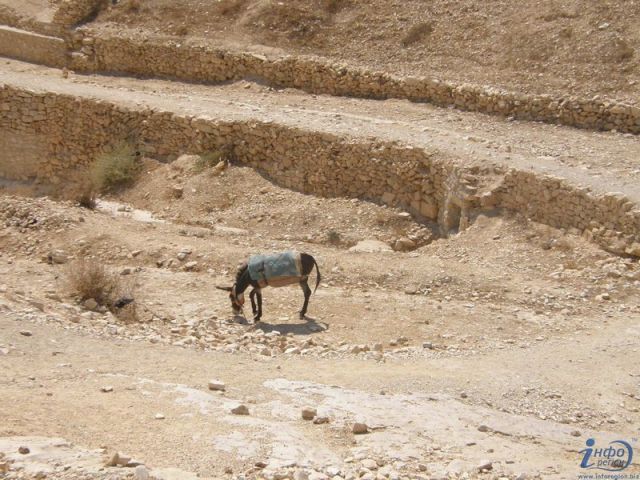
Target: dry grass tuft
{"points": [[86, 195], [333, 6], [333, 237], [231, 8], [416, 33], [90, 279], [133, 6]]}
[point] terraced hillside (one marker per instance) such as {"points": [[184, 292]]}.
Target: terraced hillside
{"points": [[478, 315], [572, 47]]}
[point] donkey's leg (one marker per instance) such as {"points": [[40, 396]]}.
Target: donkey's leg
{"points": [[259, 314], [252, 296], [307, 295]]}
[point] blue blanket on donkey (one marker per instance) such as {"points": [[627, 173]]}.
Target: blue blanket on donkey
{"points": [[276, 270]]}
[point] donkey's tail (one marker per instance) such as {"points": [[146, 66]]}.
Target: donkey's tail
{"points": [[318, 278]]}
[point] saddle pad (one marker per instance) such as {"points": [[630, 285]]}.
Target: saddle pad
{"points": [[276, 270]]}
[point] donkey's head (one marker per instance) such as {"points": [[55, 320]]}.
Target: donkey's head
{"points": [[237, 299]]}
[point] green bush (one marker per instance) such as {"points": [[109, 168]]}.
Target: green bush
{"points": [[115, 169]]}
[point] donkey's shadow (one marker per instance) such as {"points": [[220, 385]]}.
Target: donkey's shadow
{"points": [[310, 326]]}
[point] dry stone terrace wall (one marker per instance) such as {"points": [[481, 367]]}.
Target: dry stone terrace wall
{"points": [[33, 47], [75, 130], [141, 54]]}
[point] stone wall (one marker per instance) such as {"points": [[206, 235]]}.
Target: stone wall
{"points": [[142, 54], [433, 188], [21, 153], [32, 47]]}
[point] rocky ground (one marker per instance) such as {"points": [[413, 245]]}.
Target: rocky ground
{"points": [[456, 359], [494, 353], [575, 47]]}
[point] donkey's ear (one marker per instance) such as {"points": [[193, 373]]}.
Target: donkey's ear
{"points": [[226, 289]]}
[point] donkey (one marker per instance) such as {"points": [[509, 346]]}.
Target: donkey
{"points": [[277, 270]]}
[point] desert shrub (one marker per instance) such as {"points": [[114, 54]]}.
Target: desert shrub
{"points": [[334, 237], [231, 8], [90, 279], [115, 169], [208, 160], [333, 6], [133, 6], [622, 51], [213, 157], [86, 196], [417, 33]]}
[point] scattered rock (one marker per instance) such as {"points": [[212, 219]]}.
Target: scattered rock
{"points": [[485, 466], [320, 420], [90, 304], [23, 450], [191, 266], [141, 473], [240, 410], [106, 389], [26, 333], [300, 475], [484, 428], [370, 246], [57, 257], [576, 433], [309, 413], [159, 416], [369, 464], [217, 386], [404, 244], [177, 191], [360, 428]]}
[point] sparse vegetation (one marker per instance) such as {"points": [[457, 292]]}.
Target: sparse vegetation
{"points": [[208, 160], [333, 237], [416, 33], [622, 51], [133, 6], [213, 158], [333, 6], [87, 196], [231, 8], [90, 279], [115, 169]]}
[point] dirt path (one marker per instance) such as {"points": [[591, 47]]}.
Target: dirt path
{"points": [[61, 382], [605, 162]]}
